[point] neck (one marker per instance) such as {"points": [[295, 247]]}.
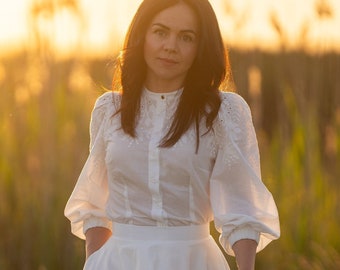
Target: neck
{"points": [[163, 86]]}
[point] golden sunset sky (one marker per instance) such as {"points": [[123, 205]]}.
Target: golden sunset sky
{"points": [[97, 27]]}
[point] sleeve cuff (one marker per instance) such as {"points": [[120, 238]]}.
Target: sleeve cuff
{"points": [[227, 241], [96, 222]]}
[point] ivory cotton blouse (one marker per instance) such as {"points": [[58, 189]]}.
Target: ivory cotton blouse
{"points": [[133, 181]]}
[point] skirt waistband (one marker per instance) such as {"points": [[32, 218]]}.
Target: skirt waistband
{"points": [[185, 233]]}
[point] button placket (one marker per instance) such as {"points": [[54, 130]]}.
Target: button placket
{"points": [[154, 162]]}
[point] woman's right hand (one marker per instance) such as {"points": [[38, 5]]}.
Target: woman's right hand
{"points": [[95, 239]]}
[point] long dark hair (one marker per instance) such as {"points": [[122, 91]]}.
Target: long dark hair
{"points": [[200, 98]]}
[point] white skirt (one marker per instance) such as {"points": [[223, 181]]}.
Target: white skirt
{"points": [[158, 248]]}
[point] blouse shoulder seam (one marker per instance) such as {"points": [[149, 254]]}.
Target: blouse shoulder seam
{"points": [[233, 98], [234, 104], [104, 99]]}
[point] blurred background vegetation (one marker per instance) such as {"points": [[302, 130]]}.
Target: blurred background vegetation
{"points": [[45, 109]]}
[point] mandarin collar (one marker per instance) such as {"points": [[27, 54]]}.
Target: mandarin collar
{"points": [[163, 96]]}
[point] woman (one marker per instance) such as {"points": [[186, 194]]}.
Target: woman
{"points": [[170, 152]]}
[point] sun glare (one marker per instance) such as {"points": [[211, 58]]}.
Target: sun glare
{"points": [[13, 23], [67, 31], [107, 23], [98, 27]]}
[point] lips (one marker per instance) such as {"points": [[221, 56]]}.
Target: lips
{"points": [[167, 61]]}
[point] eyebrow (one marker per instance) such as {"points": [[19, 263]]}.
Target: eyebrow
{"points": [[182, 31]]}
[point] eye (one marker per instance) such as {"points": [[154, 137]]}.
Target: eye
{"points": [[160, 32], [188, 38]]}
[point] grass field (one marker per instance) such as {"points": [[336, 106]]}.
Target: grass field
{"points": [[45, 109]]}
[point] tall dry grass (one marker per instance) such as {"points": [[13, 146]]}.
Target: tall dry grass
{"points": [[45, 107]]}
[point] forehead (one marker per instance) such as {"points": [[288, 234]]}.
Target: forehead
{"points": [[177, 17]]}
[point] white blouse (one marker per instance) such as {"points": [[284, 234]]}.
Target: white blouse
{"points": [[132, 180]]}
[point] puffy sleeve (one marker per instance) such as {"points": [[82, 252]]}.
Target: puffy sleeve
{"points": [[242, 205], [86, 205]]}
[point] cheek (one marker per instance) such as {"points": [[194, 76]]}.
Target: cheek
{"points": [[146, 50], [191, 55], [149, 47]]}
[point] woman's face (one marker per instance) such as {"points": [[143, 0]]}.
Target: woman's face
{"points": [[170, 46]]}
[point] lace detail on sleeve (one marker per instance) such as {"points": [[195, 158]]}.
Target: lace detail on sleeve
{"points": [[235, 128], [101, 112]]}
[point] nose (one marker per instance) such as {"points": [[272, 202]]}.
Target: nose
{"points": [[170, 45]]}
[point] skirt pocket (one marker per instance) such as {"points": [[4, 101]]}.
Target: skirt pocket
{"points": [[95, 254]]}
